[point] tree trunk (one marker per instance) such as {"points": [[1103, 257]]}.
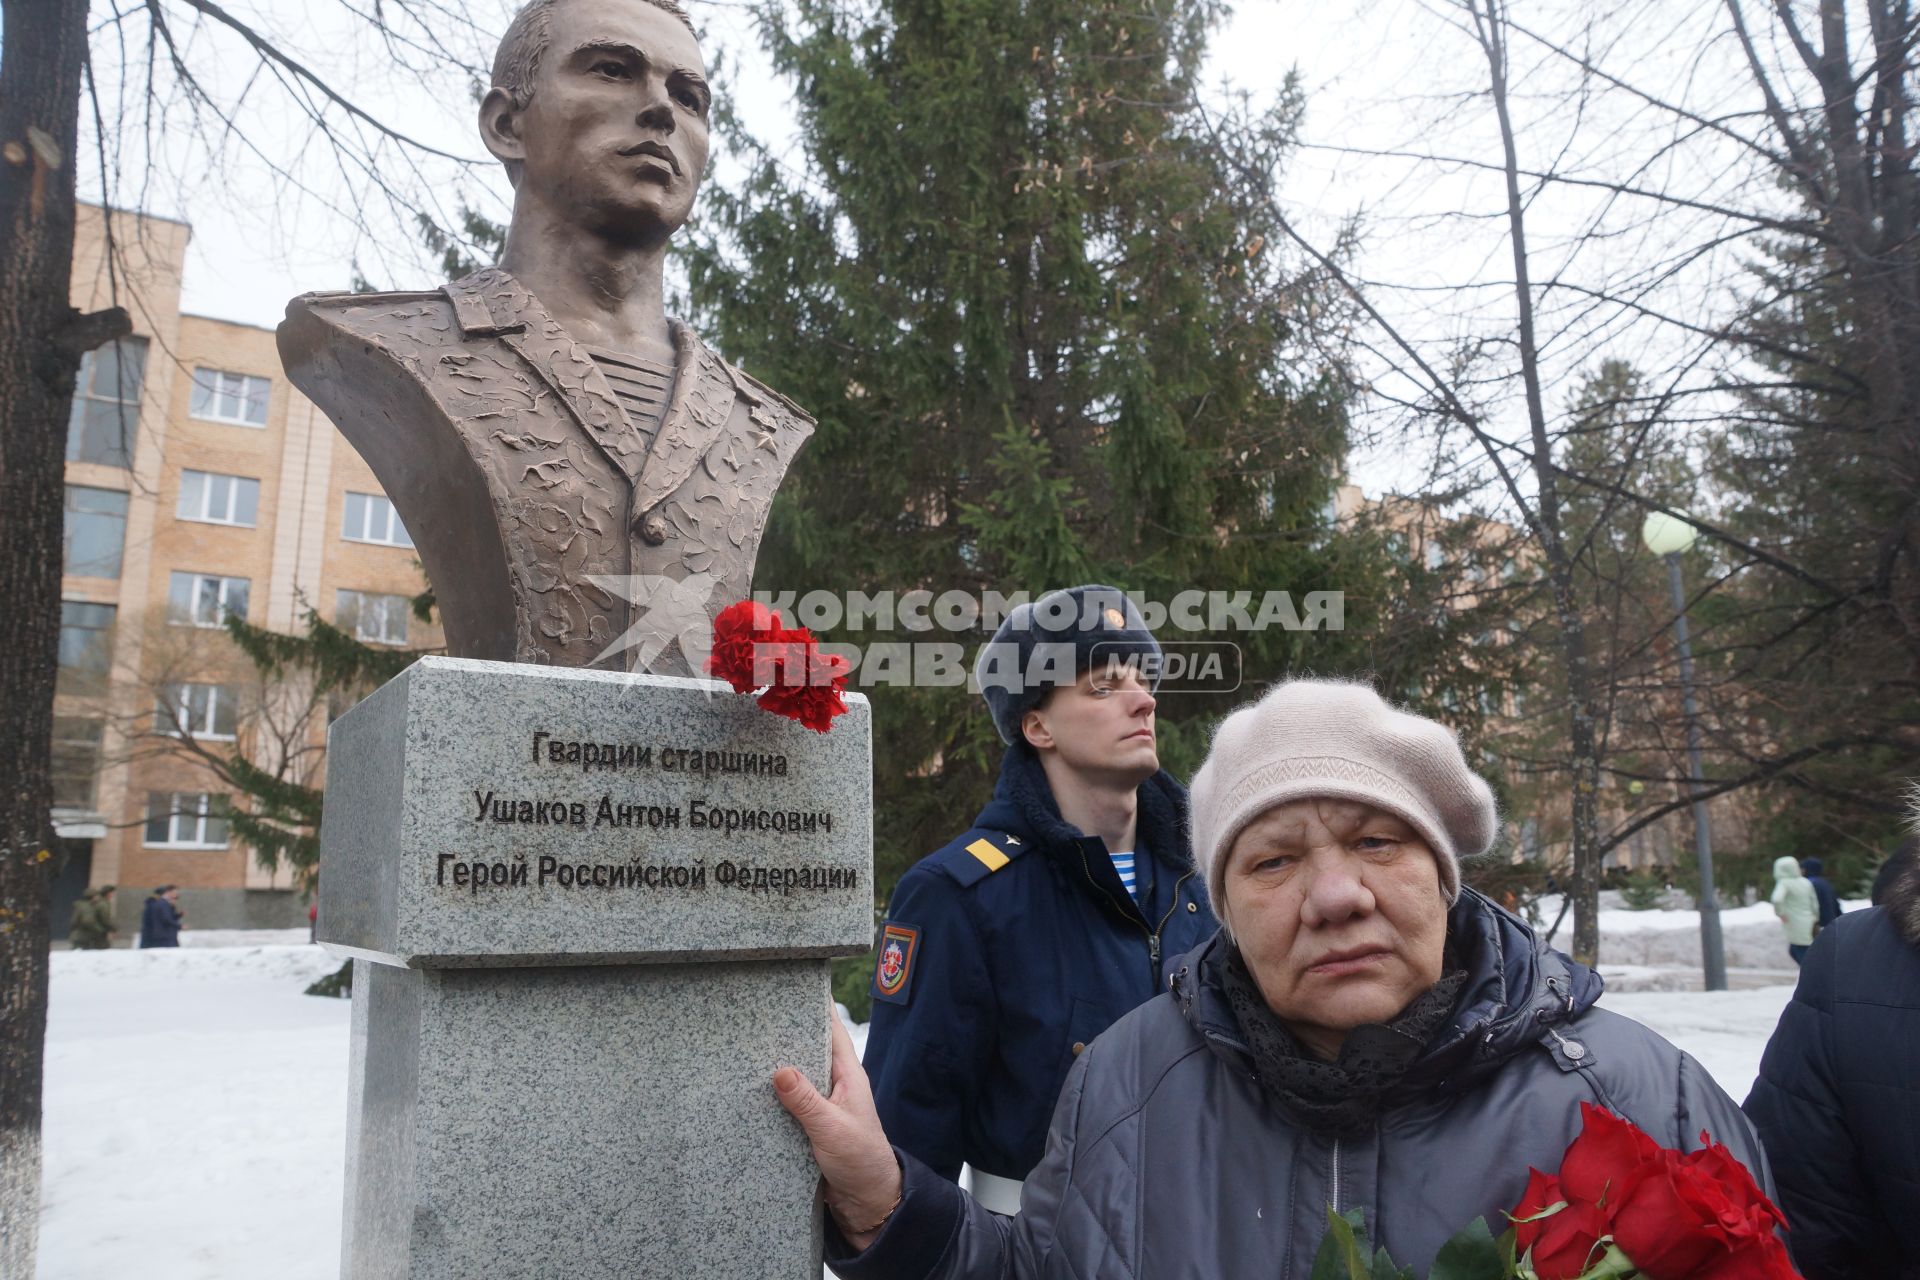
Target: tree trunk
{"points": [[41, 341], [1583, 718]]}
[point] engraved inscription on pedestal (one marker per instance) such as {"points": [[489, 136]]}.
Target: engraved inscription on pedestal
{"points": [[501, 814]]}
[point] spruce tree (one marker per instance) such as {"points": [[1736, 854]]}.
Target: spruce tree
{"points": [[1821, 465], [324, 667], [1029, 287], [278, 814]]}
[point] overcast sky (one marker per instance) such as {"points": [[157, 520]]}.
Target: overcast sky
{"points": [[1380, 76], [248, 255]]}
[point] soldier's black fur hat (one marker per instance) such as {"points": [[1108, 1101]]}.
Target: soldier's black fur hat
{"points": [[1047, 643]]}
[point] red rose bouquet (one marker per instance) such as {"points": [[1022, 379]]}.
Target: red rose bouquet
{"points": [[1621, 1206], [752, 650]]}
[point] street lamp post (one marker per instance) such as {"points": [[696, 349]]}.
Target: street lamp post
{"points": [[1667, 537]]}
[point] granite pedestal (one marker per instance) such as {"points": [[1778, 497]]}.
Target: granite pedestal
{"points": [[591, 913]]}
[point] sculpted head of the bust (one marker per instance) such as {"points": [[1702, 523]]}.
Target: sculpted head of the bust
{"points": [[598, 110]]}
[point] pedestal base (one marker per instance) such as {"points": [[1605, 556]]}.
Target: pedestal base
{"points": [[612, 1121]]}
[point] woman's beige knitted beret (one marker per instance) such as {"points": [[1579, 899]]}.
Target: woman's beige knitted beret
{"points": [[1340, 740]]}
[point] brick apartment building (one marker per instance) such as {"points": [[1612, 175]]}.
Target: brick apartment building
{"points": [[199, 482]]}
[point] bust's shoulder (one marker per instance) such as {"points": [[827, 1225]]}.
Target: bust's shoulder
{"points": [[768, 402], [418, 312]]}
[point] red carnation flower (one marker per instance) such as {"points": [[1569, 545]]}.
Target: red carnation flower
{"points": [[737, 632], [751, 650]]}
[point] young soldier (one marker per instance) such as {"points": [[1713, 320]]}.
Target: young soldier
{"points": [[1064, 906]]}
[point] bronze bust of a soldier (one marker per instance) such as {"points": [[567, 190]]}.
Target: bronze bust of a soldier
{"points": [[585, 481]]}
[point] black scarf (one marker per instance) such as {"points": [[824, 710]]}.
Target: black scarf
{"points": [[1350, 1092]]}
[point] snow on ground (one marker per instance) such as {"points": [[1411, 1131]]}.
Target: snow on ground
{"points": [[1725, 1030], [1617, 922], [195, 1117], [1670, 939], [243, 937]]}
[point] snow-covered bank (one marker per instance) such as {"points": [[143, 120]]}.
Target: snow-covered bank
{"points": [[1671, 939]]}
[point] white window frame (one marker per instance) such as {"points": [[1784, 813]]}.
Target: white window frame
{"points": [[379, 523], [191, 811], [223, 386], [390, 605], [176, 717], [193, 599], [205, 485]]}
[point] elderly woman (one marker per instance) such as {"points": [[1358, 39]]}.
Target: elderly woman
{"points": [[1362, 1033]]}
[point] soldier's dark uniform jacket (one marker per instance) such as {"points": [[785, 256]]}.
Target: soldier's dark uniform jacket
{"points": [[1005, 953]]}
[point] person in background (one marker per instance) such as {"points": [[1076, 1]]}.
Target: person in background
{"points": [[1794, 902], [1837, 1102], [160, 918], [92, 927], [1008, 950], [1830, 908]]}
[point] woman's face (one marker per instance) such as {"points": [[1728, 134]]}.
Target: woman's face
{"points": [[1337, 909]]}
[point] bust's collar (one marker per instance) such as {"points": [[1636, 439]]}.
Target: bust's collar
{"points": [[491, 302]]}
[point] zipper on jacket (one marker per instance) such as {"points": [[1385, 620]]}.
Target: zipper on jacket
{"points": [[1336, 1175], [1133, 918], [1153, 939]]}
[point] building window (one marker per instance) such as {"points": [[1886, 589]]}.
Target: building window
{"points": [[371, 518], [76, 760], [197, 711], [186, 820], [374, 619], [106, 404], [86, 647], [217, 499], [236, 398], [205, 599], [96, 531]]}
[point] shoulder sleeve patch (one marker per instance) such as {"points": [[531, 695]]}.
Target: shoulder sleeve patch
{"points": [[893, 969]]}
